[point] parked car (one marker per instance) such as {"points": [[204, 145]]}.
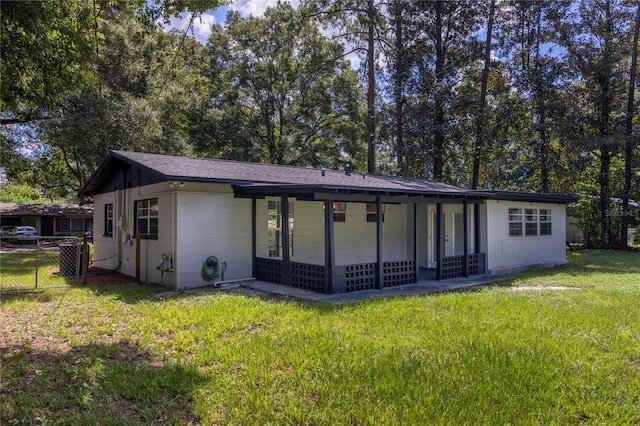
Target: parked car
{"points": [[23, 232], [89, 235], [5, 231]]}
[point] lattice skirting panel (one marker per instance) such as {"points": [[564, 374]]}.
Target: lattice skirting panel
{"points": [[399, 273], [476, 264], [360, 277], [453, 266], [269, 270], [308, 277]]}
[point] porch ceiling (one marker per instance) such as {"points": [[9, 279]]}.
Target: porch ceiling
{"points": [[331, 192]]}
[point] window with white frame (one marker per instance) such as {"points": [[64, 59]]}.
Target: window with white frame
{"points": [[147, 218], [108, 220], [515, 222], [545, 221], [529, 222]]}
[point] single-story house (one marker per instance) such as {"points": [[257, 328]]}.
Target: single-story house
{"points": [[48, 219], [323, 230]]}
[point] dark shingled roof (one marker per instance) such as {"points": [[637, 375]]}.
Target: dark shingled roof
{"points": [[24, 209], [256, 175], [240, 173], [259, 178]]}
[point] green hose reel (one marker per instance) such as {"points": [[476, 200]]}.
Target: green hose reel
{"points": [[211, 268]]}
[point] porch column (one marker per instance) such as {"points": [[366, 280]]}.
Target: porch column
{"points": [[285, 227], [253, 236], [380, 268], [439, 241], [465, 219], [286, 264], [415, 241], [476, 227], [329, 249]]}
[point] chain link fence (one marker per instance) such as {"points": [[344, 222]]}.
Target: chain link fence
{"points": [[41, 262]]}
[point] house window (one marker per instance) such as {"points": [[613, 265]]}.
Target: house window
{"points": [[108, 220], [147, 218], [372, 212], [339, 211], [66, 224], [274, 228], [515, 222], [529, 222], [545, 221]]}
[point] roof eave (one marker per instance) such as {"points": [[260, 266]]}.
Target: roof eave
{"points": [[532, 197]]}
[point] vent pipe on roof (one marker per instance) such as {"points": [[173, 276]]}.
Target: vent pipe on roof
{"points": [[347, 169], [323, 171]]}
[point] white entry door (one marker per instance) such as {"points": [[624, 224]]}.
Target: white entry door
{"points": [[452, 229]]}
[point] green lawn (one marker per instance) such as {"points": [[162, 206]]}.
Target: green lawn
{"points": [[126, 354]]}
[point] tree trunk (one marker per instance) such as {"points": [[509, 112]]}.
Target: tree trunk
{"points": [[628, 148], [605, 149], [544, 154], [398, 92], [371, 92], [540, 96], [483, 100], [438, 131]]}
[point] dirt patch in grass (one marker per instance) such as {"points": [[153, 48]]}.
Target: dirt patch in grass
{"points": [[104, 276], [542, 287]]}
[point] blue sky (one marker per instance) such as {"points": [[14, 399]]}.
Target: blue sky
{"points": [[202, 25]]}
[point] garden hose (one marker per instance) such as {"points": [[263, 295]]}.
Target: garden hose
{"points": [[211, 268]]}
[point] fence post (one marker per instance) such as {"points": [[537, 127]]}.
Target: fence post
{"points": [[37, 249], [85, 258]]}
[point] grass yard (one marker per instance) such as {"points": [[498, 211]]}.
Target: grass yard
{"points": [[128, 354]]}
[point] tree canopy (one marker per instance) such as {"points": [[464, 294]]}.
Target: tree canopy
{"points": [[533, 95]]}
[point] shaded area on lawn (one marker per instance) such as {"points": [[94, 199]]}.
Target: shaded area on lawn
{"points": [[94, 384], [130, 353]]}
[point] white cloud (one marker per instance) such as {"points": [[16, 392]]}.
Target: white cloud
{"points": [[257, 7], [200, 28]]}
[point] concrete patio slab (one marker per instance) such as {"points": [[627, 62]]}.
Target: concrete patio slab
{"points": [[422, 287]]}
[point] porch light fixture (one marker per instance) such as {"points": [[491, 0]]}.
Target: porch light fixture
{"points": [[176, 184]]}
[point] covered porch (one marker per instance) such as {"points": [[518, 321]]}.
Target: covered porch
{"points": [[417, 238]]}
